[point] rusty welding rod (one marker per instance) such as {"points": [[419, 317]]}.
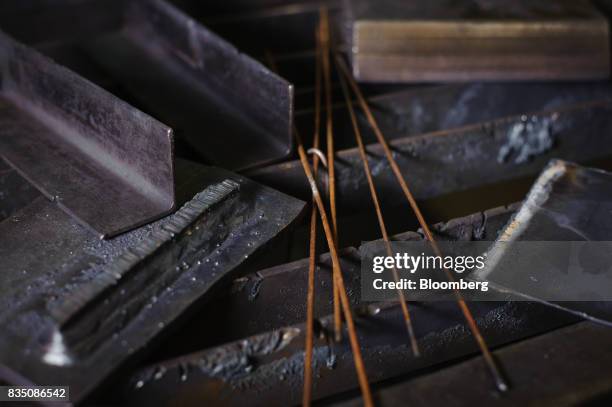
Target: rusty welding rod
{"points": [[500, 382]]}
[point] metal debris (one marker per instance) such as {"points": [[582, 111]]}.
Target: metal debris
{"points": [[531, 137]]}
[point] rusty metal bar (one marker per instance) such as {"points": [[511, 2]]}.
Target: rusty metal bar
{"points": [[379, 214], [338, 279], [325, 45], [312, 252], [500, 381]]}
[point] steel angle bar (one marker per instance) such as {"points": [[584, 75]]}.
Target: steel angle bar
{"points": [[102, 161], [463, 158], [568, 367], [566, 203], [75, 308], [195, 79], [201, 85], [430, 108]]}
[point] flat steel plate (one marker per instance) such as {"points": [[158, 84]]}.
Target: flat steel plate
{"points": [[566, 203]]}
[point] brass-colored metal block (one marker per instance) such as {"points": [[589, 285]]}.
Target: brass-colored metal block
{"points": [[450, 40]]}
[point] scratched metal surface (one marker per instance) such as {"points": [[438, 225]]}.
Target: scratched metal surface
{"points": [[567, 202], [67, 137], [202, 86], [474, 167], [567, 367], [265, 366], [224, 355], [75, 307]]}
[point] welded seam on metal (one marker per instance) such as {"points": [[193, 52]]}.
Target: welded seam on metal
{"points": [[126, 262]]}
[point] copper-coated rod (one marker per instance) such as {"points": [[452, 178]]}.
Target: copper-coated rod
{"points": [[379, 214], [490, 361], [329, 128], [307, 393], [346, 306], [324, 38]]}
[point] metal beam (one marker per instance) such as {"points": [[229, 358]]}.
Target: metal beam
{"points": [[568, 367], [462, 159], [202, 86], [104, 162], [267, 369]]}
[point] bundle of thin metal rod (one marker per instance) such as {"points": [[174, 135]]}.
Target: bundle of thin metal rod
{"points": [[325, 47], [323, 68], [337, 275], [379, 214], [341, 302], [340, 296], [489, 359], [310, 300]]}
